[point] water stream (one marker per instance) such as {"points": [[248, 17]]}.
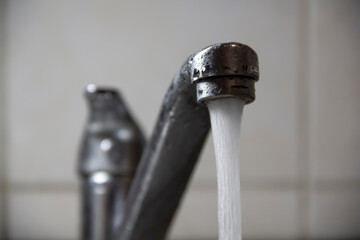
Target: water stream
{"points": [[225, 117]]}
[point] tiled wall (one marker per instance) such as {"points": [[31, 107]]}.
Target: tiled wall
{"points": [[2, 118], [334, 134], [300, 147]]}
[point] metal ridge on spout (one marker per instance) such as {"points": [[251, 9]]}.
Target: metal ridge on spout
{"points": [[225, 70]]}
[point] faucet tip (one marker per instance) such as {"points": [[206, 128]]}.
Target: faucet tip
{"points": [[225, 59], [93, 92], [225, 70]]}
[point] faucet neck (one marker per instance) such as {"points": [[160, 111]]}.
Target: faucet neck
{"points": [[167, 162]]}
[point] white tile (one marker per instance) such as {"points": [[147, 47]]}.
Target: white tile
{"points": [[44, 215], [1, 216], [265, 214], [335, 128], [335, 214], [205, 170], [52, 215], [269, 214], [2, 111], [196, 217]]}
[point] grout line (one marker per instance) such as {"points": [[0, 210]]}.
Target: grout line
{"points": [[313, 58], [246, 238], [246, 185], [43, 187], [303, 116], [3, 123]]}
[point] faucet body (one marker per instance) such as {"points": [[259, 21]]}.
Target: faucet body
{"points": [[218, 71], [167, 162], [111, 149]]}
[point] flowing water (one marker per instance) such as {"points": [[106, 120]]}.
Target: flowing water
{"points": [[225, 117]]}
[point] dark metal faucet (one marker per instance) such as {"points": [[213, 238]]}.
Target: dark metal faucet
{"points": [[110, 152], [219, 71]]}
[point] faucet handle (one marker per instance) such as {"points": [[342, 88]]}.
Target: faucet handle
{"points": [[112, 140]]}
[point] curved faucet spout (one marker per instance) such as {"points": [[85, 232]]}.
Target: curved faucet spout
{"points": [[221, 70], [167, 162]]}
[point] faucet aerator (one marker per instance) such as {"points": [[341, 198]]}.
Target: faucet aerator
{"points": [[225, 70]]}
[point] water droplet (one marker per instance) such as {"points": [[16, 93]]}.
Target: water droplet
{"points": [[91, 88]]}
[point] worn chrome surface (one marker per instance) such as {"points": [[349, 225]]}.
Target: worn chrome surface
{"points": [[112, 140], [225, 70], [111, 149], [167, 162], [223, 87], [221, 70], [97, 189]]}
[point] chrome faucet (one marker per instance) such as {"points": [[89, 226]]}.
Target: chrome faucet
{"points": [[218, 71], [110, 152]]}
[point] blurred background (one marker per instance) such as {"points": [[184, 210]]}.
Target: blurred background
{"points": [[300, 143]]}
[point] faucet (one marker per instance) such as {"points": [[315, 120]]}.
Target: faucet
{"points": [[218, 71], [111, 149]]}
